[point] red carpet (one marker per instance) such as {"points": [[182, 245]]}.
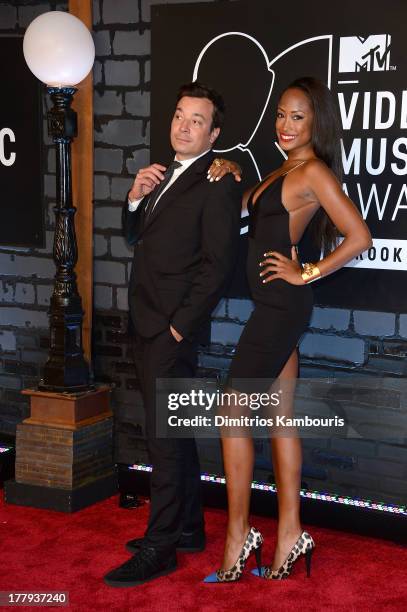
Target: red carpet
{"points": [[50, 551]]}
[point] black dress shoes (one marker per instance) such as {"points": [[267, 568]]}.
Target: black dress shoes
{"points": [[188, 543], [146, 565]]}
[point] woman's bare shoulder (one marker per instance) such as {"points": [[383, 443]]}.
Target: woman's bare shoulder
{"points": [[317, 171], [317, 166]]}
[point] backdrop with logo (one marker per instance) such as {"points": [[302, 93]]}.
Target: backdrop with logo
{"points": [[22, 215], [249, 51]]}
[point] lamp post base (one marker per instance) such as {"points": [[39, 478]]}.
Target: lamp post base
{"points": [[61, 500], [64, 451], [63, 389]]}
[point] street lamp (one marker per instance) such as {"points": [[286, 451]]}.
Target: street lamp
{"points": [[59, 50]]}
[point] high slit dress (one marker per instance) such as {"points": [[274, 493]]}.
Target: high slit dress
{"points": [[281, 310]]}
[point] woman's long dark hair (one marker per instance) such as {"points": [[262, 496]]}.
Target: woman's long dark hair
{"points": [[325, 140]]}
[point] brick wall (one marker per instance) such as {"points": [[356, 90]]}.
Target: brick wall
{"points": [[352, 342]]}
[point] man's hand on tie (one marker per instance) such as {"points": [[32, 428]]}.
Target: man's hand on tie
{"points": [[146, 180]]}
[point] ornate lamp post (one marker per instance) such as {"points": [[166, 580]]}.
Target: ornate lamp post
{"points": [[64, 448], [59, 50]]}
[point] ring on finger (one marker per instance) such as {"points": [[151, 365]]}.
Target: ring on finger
{"points": [[218, 162]]}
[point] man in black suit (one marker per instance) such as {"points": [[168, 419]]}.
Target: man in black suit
{"points": [[185, 232]]}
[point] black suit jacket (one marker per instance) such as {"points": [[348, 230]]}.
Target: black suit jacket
{"points": [[184, 251]]}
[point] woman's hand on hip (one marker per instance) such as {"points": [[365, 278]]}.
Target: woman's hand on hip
{"points": [[275, 265]]}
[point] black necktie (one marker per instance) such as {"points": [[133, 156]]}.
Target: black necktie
{"points": [[160, 188]]}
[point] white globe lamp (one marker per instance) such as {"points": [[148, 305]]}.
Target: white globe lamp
{"points": [[59, 49]]}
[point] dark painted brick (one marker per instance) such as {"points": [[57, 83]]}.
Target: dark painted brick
{"points": [[10, 411], [34, 356], [44, 342], [147, 4], [382, 467], [96, 11], [97, 73], [25, 341], [7, 341], [393, 452], [139, 159], [108, 160], [17, 367], [108, 380], [336, 348], [108, 351], [21, 317], [44, 293], [106, 217], [102, 187], [225, 333], [326, 318], [111, 272], [132, 43], [395, 349], [387, 366], [120, 188], [132, 384], [122, 73], [117, 337], [220, 310], [106, 321], [123, 367], [103, 296], [147, 72], [108, 103], [99, 245], [7, 291], [102, 42], [374, 323], [240, 309], [403, 325], [24, 293], [12, 395], [127, 12], [121, 132], [122, 298], [138, 103], [120, 248], [27, 14], [50, 185], [327, 457], [9, 382], [24, 266], [8, 17], [354, 447], [49, 243], [213, 361]]}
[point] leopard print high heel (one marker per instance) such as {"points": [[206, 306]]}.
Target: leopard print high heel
{"points": [[304, 546], [253, 543]]}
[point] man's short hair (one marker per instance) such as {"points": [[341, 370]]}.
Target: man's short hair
{"points": [[198, 90]]}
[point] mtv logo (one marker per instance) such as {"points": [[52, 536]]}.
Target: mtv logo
{"points": [[357, 53]]}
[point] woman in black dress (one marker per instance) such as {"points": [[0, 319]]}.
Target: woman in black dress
{"points": [[305, 190]]}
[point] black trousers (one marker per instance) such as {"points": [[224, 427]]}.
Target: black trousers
{"points": [[176, 502]]}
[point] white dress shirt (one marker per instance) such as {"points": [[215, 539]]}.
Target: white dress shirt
{"points": [[185, 163]]}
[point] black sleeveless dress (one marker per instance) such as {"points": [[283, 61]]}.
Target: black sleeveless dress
{"points": [[282, 310]]}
